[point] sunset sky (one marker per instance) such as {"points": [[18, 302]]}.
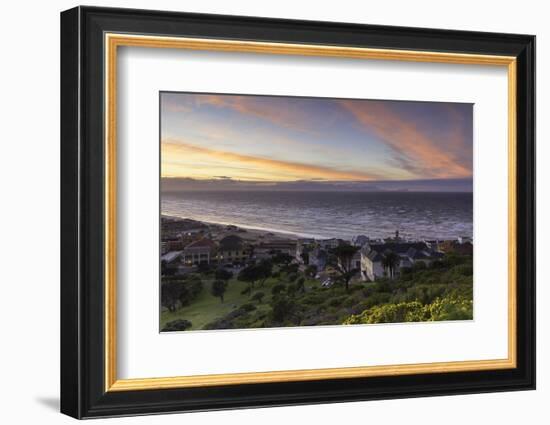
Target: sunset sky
{"points": [[270, 140]]}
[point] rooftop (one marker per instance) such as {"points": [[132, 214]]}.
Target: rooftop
{"points": [[201, 243], [231, 243], [170, 256]]}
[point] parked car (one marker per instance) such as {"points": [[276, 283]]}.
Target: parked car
{"points": [[327, 283]]}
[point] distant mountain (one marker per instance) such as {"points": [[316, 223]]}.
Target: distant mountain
{"points": [[176, 184]]}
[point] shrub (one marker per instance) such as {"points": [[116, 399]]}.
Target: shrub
{"points": [[382, 285], [282, 308], [290, 269], [453, 259], [419, 266], [291, 289], [311, 271], [437, 264], [449, 308], [464, 270], [378, 298], [336, 302], [204, 267], [389, 313], [232, 320], [292, 277], [406, 273], [350, 302], [247, 307], [177, 325], [277, 289], [316, 298], [258, 296]]}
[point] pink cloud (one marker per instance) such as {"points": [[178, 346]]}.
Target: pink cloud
{"points": [[416, 150]]}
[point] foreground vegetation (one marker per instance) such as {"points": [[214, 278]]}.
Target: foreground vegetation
{"points": [[278, 295]]}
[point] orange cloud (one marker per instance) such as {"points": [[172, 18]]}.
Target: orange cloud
{"points": [[172, 149], [415, 149], [288, 115]]}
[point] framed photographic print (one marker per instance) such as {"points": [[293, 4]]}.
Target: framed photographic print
{"points": [[261, 212]]}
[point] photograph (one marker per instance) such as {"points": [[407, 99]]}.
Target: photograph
{"points": [[281, 211]]}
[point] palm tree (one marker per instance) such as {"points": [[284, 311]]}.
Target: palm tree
{"points": [[342, 261], [390, 262]]}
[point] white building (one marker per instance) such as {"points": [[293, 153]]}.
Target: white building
{"points": [[200, 251], [409, 253], [371, 264]]}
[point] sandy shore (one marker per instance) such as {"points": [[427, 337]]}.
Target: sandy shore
{"points": [[247, 233]]}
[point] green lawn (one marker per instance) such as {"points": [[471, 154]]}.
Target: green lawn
{"points": [[206, 308]]}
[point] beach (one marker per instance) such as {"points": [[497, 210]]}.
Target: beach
{"points": [[250, 234]]}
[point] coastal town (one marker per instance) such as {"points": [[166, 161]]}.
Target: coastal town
{"points": [[187, 245], [222, 276]]}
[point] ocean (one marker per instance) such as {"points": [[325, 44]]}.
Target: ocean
{"points": [[428, 215]]}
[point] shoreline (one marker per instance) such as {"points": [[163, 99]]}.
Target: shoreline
{"points": [[251, 230], [255, 233]]}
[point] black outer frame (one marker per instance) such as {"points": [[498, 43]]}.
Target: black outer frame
{"points": [[82, 206]]}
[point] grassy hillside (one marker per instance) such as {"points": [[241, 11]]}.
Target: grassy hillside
{"points": [[206, 308], [441, 292]]}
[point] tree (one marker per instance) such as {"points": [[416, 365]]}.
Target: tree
{"points": [[250, 274], [256, 272], [390, 262], [223, 274], [218, 288], [180, 290], [258, 296], [204, 267], [290, 268], [282, 258], [165, 270], [300, 285], [342, 261], [169, 296], [194, 286], [311, 271], [265, 270], [172, 292]]}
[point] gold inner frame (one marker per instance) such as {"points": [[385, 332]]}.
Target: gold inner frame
{"points": [[113, 41]]}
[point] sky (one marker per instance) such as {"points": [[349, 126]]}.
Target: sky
{"points": [[238, 141]]}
